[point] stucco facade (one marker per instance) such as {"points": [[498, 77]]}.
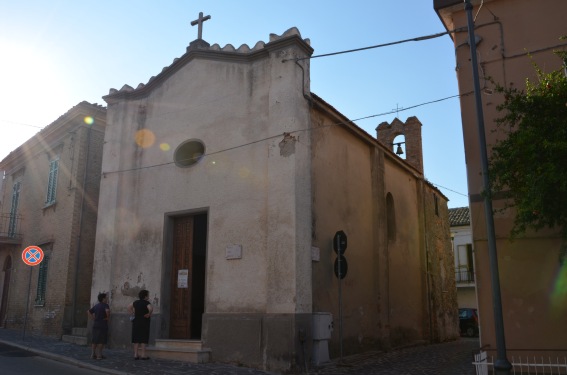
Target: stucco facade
{"points": [[508, 32], [232, 142], [49, 199]]}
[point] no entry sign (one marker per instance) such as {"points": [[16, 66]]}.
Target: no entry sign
{"points": [[32, 255]]}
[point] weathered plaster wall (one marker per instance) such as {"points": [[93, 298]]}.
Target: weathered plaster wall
{"points": [[343, 200], [390, 296], [440, 267], [254, 184], [405, 258], [384, 290]]}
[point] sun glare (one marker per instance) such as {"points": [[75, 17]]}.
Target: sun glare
{"points": [[32, 94]]}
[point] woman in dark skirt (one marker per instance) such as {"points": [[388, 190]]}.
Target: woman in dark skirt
{"points": [[141, 311]]}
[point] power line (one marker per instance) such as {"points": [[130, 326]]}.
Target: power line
{"points": [[446, 188], [417, 39], [413, 106], [21, 123], [280, 135]]}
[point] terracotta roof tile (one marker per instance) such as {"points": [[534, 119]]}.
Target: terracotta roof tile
{"points": [[459, 216]]}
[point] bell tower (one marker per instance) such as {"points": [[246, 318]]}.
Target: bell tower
{"points": [[411, 130]]}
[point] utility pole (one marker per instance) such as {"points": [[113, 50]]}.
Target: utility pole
{"points": [[502, 366]]}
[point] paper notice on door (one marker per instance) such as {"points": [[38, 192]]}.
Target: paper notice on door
{"points": [[182, 278]]}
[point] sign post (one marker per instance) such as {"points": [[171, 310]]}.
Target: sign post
{"points": [[340, 245], [32, 256]]}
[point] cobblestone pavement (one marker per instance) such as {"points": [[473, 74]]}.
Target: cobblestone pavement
{"points": [[453, 358], [450, 358]]}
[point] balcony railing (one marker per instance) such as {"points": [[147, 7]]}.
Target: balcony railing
{"points": [[464, 276], [10, 227]]}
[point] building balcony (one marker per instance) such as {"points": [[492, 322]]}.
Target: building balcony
{"points": [[464, 277], [10, 229]]}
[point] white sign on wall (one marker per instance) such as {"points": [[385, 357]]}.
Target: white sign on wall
{"points": [[183, 278], [234, 252], [315, 254]]}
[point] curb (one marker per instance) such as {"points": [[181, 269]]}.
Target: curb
{"points": [[64, 359]]}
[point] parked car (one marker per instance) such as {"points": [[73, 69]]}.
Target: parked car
{"points": [[468, 322]]}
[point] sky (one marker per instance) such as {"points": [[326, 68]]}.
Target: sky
{"points": [[55, 54]]}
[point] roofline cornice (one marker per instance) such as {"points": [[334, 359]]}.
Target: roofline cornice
{"points": [[59, 126], [206, 54]]}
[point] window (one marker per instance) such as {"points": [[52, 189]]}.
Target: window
{"points": [[52, 182], [464, 263], [189, 153], [42, 282], [12, 226]]}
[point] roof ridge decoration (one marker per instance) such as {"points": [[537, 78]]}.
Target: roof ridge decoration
{"points": [[203, 46]]}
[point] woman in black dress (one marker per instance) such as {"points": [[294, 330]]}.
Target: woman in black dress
{"points": [[141, 311]]}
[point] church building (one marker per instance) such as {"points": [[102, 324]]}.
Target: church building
{"points": [[225, 181]]}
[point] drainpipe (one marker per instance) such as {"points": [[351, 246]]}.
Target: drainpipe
{"points": [[78, 256], [501, 365]]}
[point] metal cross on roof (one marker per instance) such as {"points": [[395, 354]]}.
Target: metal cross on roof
{"points": [[397, 110], [199, 21]]}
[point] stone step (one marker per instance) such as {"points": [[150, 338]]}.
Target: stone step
{"points": [[180, 350], [78, 340], [80, 331], [182, 344]]}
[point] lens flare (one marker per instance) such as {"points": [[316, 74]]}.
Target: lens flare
{"points": [[145, 138], [559, 292], [244, 172], [89, 120], [164, 147]]}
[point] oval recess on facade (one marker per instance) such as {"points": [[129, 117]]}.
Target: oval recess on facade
{"points": [[189, 153]]}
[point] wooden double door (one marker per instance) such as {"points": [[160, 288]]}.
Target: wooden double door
{"points": [[189, 247]]}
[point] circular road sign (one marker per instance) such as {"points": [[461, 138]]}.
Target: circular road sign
{"points": [[343, 267], [32, 255], [340, 242]]}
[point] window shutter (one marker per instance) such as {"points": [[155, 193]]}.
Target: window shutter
{"points": [[42, 281], [52, 182], [14, 209]]}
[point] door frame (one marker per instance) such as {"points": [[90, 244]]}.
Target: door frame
{"points": [[167, 254]]}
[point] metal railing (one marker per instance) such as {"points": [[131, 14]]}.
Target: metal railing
{"points": [[464, 276], [10, 226], [524, 362]]}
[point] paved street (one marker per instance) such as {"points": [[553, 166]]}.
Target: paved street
{"points": [[15, 361], [453, 358]]}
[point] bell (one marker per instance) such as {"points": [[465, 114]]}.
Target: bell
{"points": [[399, 150]]}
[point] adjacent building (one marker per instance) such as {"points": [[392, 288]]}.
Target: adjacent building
{"points": [[49, 196], [510, 36], [224, 182], [461, 237]]}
